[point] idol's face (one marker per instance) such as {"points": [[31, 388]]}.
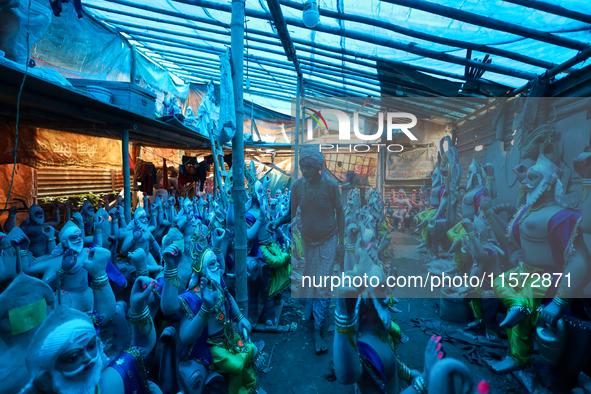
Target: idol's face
{"points": [[75, 240], [143, 219], [162, 194], [89, 210], [38, 216], [532, 180], [192, 373], [80, 356]]}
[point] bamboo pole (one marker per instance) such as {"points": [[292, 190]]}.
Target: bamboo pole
{"points": [[299, 120], [256, 77], [491, 23], [126, 175], [381, 41], [194, 36], [306, 45], [321, 76], [553, 9], [581, 56], [284, 36], [239, 192]]}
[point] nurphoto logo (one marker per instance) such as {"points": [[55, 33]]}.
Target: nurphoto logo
{"points": [[344, 120]]}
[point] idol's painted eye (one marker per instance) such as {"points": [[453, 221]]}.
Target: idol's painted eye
{"points": [[91, 344]]}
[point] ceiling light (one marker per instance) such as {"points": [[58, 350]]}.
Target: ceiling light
{"points": [[311, 15]]}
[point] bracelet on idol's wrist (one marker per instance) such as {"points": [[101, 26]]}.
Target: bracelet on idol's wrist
{"points": [[204, 312], [99, 281], [419, 385], [562, 303], [239, 316], [141, 320], [172, 275]]}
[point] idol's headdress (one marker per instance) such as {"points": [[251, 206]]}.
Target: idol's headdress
{"points": [[198, 248]]}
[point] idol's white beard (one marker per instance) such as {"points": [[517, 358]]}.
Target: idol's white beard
{"points": [[36, 220], [214, 276], [83, 384], [470, 178], [535, 194], [141, 225], [77, 248]]}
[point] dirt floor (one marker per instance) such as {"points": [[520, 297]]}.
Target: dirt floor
{"points": [[296, 369]]}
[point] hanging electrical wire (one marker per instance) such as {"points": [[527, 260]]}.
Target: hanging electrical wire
{"points": [[18, 108], [246, 38]]}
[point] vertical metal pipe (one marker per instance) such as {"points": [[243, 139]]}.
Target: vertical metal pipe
{"points": [[298, 114], [239, 193], [126, 175]]}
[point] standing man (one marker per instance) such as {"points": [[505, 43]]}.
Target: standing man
{"points": [[323, 232]]}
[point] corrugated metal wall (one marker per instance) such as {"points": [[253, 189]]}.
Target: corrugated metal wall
{"points": [[61, 181]]}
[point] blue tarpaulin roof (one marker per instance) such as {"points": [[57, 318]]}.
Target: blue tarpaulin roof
{"points": [[171, 32]]}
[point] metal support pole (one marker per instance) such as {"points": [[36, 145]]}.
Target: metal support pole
{"points": [[239, 192], [298, 114], [126, 175]]}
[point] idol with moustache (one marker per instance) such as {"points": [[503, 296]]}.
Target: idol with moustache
{"points": [[40, 233], [139, 236], [66, 356], [94, 297], [87, 213]]}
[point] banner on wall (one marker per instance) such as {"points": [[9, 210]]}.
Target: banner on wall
{"points": [[40, 148], [413, 164]]}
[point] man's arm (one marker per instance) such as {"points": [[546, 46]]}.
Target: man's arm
{"points": [[341, 224], [56, 216]]}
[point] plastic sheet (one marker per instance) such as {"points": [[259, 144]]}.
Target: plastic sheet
{"points": [[397, 16], [13, 28], [208, 111], [227, 117]]}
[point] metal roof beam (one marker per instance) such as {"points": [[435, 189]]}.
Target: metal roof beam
{"points": [[491, 23]]}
